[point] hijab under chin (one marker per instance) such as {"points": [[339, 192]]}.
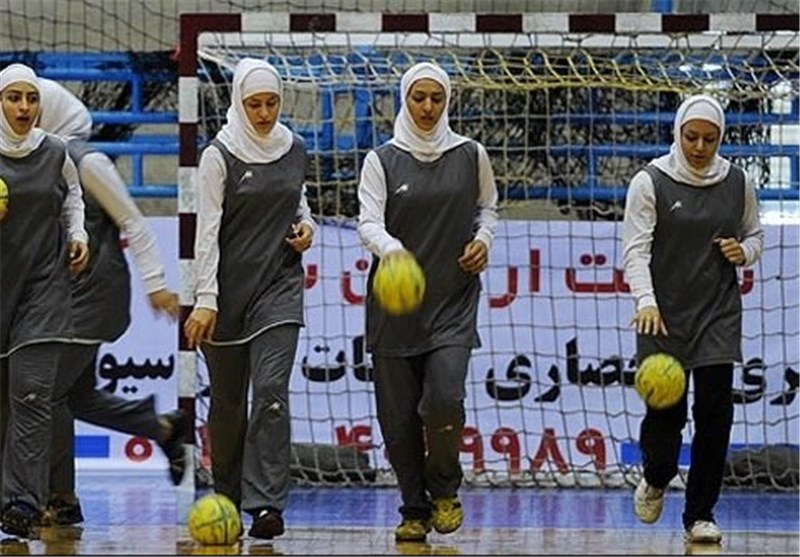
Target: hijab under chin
{"points": [[430, 145], [252, 77], [13, 144], [675, 164]]}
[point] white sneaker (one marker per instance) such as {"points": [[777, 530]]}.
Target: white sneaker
{"points": [[648, 502], [703, 531]]}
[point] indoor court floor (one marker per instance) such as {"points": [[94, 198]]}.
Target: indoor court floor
{"points": [[145, 515]]}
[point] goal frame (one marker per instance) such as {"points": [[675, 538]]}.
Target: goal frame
{"points": [[461, 29]]}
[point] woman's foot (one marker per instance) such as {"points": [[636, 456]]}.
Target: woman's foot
{"points": [[175, 430], [63, 509], [267, 524]]}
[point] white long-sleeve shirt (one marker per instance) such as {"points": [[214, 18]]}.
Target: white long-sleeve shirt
{"points": [[640, 222], [100, 178], [72, 210], [372, 199], [211, 177], [64, 115]]}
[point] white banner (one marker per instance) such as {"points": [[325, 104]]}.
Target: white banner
{"points": [[551, 387], [552, 384]]}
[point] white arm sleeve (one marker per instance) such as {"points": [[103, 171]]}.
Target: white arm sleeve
{"points": [[752, 239], [72, 212], [487, 199], [637, 238], [372, 201], [304, 211], [100, 178], [211, 176]]}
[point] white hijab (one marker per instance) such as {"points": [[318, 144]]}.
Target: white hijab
{"points": [[675, 165], [425, 146], [62, 113], [250, 77], [11, 143]]}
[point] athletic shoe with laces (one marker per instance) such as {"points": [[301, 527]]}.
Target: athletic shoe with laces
{"points": [[20, 519], [648, 502], [63, 513], [703, 531], [412, 530], [447, 514]]}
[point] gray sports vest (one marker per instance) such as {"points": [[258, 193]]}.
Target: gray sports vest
{"points": [[34, 280], [101, 295], [260, 276], [695, 286], [431, 207]]}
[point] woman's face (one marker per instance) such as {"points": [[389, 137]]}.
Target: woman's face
{"points": [[425, 102], [20, 105], [263, 111], [699, 141]]}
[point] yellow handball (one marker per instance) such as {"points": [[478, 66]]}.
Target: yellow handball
{"points": [[399, 284], [214, 520], [660, 381], [3, 195]]}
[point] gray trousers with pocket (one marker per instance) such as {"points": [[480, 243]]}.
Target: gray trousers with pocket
{"points": [[420, 402], [250, 456], [76, 396], [31, 374]]}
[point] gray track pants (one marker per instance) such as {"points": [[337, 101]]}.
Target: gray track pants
{"points": [[250, 457], [31, 375], [419, 396], [76, 396]]}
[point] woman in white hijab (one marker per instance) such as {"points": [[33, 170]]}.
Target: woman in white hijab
{"points": [[253, 224], [691, 217], [101, 308], [41, 185], [427, 195]]}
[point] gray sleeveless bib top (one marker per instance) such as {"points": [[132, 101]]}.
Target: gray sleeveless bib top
{"points": [[101, 295], [695, 286], [34, 280], [261, 278], [430, 207]]}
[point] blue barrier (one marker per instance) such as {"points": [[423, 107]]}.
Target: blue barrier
{"points": [[733, 119], [131, 117], [324, 141], [162, 191], [116, 67]]}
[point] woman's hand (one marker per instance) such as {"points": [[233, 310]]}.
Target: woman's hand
{"points": [[166, 302], [199, 326], [301, 238], [731, 249], [648, 321], [78, 257], [474, 258]]}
